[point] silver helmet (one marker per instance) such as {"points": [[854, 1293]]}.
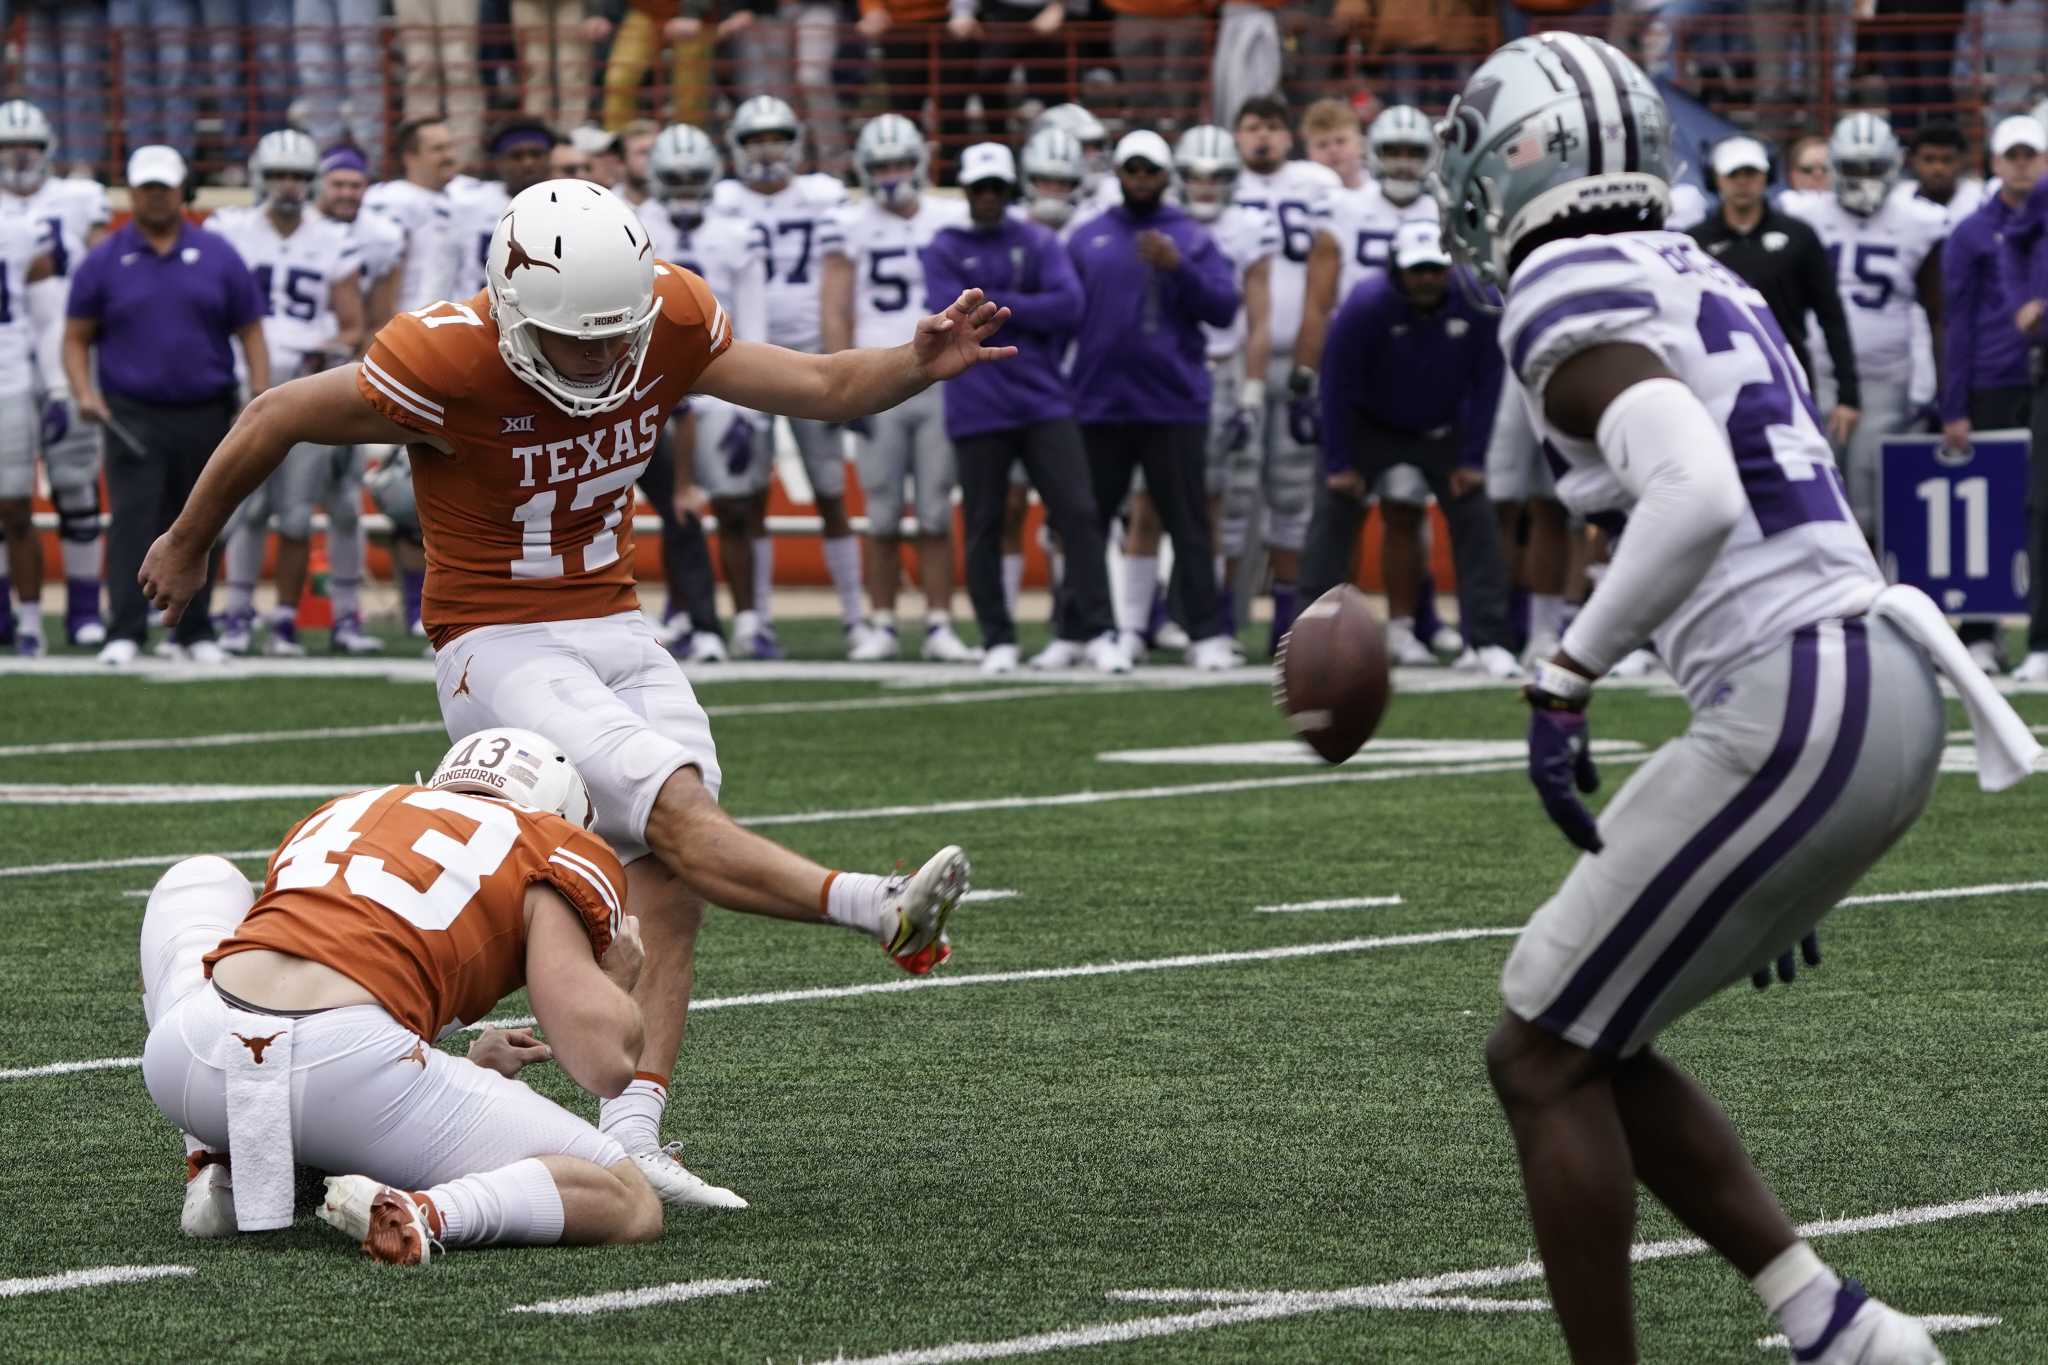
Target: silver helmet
{"points": [[1207, 163], [286, 152], [25, 141], [760, 165], [1052, 155], [1087, 130], [684, 166], [1865, 156], [1400, 152], [1549, 129], [891, 140]]}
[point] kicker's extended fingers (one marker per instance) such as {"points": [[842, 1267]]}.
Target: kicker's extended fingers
{"points": [[969, 300]]}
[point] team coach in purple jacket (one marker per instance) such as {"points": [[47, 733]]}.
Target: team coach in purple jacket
{"points": [[1151, 276], [1020, 411]]}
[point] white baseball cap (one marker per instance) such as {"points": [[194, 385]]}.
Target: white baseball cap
{"points": [[1740, 154], [2021, 130], [987, 161], [1419, 243], [590, 140], [1143, 145], [156, 164]]}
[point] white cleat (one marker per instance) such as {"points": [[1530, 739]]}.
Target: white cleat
{"points": [[707, 647], [1213, 655], [208, 653], [1106, 654], [209, 1197], [868, 644], [171, 652], [349, 638], [1637, 663], [1403, 648], [1491, 660], [388, 1223], [277, 647], [923, 903], [679, 1186], [1874, 1334], [2032, 669], [942, 645], [1170, 636], [1060, 654], [90, 635], [1447, 640], [674, 629], [118, 653], [1133, 645], [1984, 654], [999, 659]]}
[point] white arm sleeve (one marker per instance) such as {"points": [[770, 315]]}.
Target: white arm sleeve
{"points": [[1670, 453]]}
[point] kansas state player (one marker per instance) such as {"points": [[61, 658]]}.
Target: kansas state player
{"points": [[70, 216], [873, 275], [23, 264], [1665, 391], [1099, 189], [1886, 252], [787, 211], [308, 273], [721, 443]]}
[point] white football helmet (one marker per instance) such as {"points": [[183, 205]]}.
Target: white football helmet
{"points": [[572, 258], [763, 167], [1087, 130], [684, 166], [517, 765], [284, 152], [1207, 163], [25, 140], [891, 140], [1865, 157], [1400, 152], [1052, 158]]}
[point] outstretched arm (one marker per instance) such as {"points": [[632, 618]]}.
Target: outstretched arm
{"points": [[855, 383]]}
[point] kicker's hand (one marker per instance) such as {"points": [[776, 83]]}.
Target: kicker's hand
{"points": [[508, 1051], [950, 343], [172, 574]]}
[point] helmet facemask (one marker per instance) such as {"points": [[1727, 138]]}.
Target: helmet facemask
{"points": [[285, 194], [24, 166], [894, 183], [520, 347], [767, 159], [1206, 192], [685, 194], [1400, 169], [1861, 185]]}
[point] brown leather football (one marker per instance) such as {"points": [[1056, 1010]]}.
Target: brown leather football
{"points": [[1330, 676]]}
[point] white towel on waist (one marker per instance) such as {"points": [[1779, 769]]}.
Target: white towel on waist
{"points": [[2006, 749], [259, 1098]]}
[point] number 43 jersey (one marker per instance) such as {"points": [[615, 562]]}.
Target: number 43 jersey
{"points": [[419, 897], [525, 509], [888, 275], [1797, 556]]}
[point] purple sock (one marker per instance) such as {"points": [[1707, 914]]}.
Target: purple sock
{"points": [[1427, 622], [1518, 617], [1226, 610], [81, 603], [6, 612], [1285, 605], [414, 585]]}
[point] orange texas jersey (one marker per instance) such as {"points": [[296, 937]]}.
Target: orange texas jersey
{"points": [[419, 897], [530, 518]]}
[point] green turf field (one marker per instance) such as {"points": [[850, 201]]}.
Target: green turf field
{"points": [[979, 1169]]}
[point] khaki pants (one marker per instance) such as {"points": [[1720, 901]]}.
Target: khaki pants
{"points": [[554, 60], [437, 47], [635, 48]]}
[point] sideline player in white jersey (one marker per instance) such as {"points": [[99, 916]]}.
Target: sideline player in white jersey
{"points": [[1296, 196], [788, 212], [1099, 187], [419, 206], [1887, 256], [1669, 394], [872, 279], [71, 215], [23, 264], [309, 276]]}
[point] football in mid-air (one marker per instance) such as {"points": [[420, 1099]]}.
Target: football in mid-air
{"points": [[1330, 676]]}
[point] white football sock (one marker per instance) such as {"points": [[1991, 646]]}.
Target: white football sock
{"points": [[855, 899], [764, 578], [1013, 580], [345, 571], [82, 558], [516, 1205], [1141, 580], [842, 560], [1799, 1290], [242, 565], [633, 1118], [28, 618], [1546, 615]]}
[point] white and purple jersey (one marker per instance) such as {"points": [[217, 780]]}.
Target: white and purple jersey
{"points": [[1246, 237], [476, 214], [295, 276], [727, 256], [1363, 221], [67, 212], [1796, 557], [1877, 259], [788, 224], [883, 247], [433, 253], [1297, 198]]}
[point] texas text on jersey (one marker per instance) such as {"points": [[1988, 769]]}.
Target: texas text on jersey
{"points": [[524, 507], [419, 896]]}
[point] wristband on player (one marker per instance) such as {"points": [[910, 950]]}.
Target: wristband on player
{"points": [[1556, 687]]}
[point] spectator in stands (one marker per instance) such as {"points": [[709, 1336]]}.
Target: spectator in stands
{"points": [[553, 38], [1785, 262], [1806, 164], [2026, 269], [1247, 58], [1322, 48], [341, 70], [1021, 412], [160, 301], [248, 74], [1159, 47], [1416, 34], [1985, 383], [437, 50], [1027, 37], [788, 48], [1912, 43], [64, 72], [2014, 32], [152, 40], [644, 28], [918, 63]]}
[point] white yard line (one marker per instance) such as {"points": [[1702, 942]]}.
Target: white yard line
{"points": [[66, 1068], [141, 860], [230, 739], [641, 1298], [1946, 893], [1342, 903], [89, 1279], [162, 793], [1937, 1324], [1429, 1291]]}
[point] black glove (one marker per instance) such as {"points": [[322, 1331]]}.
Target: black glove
{"points": [[1809, 948], [1561, 758], [1304, 409]]}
